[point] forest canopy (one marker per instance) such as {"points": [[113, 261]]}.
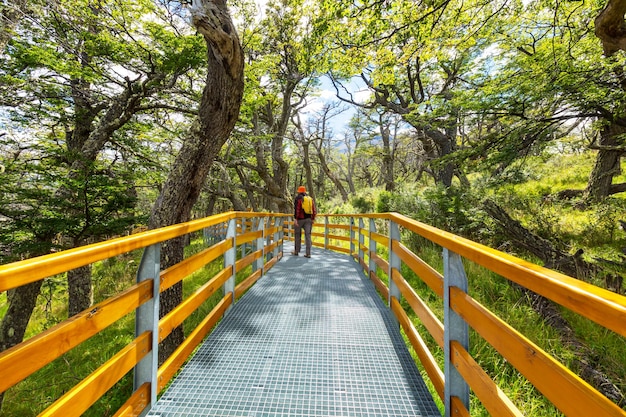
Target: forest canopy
{"points": [[338, 95]]}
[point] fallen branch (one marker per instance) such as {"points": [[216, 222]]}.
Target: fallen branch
{"points": [[572, 265]]}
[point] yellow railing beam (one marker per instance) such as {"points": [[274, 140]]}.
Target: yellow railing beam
{"points": [[602, 306], [30, 270], [22, 360], [89, 390]]}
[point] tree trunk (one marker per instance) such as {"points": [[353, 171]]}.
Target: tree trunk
{"points": [[247, 187], [388, 176], [329, 173], [218, 113], [21, 302], [610, 27], [11, 14], [607, 164], [80, 295], [554, 258], [306, 161]]}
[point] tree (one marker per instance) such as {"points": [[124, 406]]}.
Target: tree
{"points": [[551, 78], [281, 53], [414, 61], [11, 14], [611, 28], [217, 115], [75, 87], [318, 133]]}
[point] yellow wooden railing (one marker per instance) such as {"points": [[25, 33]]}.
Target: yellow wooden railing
{"points": [[259, 233], [566, 390], [362, 236]]}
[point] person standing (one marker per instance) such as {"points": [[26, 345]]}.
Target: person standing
{"points": [[304, 216]]}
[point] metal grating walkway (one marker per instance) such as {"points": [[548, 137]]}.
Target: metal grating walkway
{"points": [[311, 338]]}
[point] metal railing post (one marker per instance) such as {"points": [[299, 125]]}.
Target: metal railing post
{"points": [[230, 256], [372, 247], [394, 262], [268, 239], [147, 319], [279, 235], [244, 246], [259, 263], [326, 232], [206, 236], [361, 241], [351, 236], [455, 329]]}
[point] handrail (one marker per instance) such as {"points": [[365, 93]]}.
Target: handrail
{"points": [[250, 239], [602, 306], [567, 391], [24, 272], [22, 360]]}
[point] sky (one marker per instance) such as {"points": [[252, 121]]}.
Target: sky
{"points": [[327, 95]]}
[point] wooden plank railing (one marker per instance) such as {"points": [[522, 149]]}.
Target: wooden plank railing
{"points": [[22, 360], [244, 239], [567, 391]]}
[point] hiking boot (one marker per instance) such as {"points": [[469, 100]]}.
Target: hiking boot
{"points": [[294, 253]]}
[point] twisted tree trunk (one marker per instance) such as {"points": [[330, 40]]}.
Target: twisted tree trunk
{"points": [[218, 113], [607, 164], [610, 27]]}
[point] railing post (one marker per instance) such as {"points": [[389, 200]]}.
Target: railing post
{"points": [[230, 256], [351, 236], [361, 241], [279, 235], [147, 319], [268, 239], [325, 232], [372, 247], [394, 262], [244, 246], [206, 235], [259, 263], [455, 329]]}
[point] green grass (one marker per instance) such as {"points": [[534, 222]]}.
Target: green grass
{"points": [[505, 301]]}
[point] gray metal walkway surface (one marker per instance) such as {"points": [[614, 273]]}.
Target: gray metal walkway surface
{"points": [[311, 338]]}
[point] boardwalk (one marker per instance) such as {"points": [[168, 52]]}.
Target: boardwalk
{"points": [[312, 338]]}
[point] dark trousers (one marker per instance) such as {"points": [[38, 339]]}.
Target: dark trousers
{"points": [[307, 225]]}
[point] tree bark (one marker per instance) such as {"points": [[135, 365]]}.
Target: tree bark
{"points": [[610, 27], [329, 173], [306, 161], [21, 303], [607, 164], [387, 162], [11, 14], [554, 258], [80, 294], [275, 176], [218, 113]]}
